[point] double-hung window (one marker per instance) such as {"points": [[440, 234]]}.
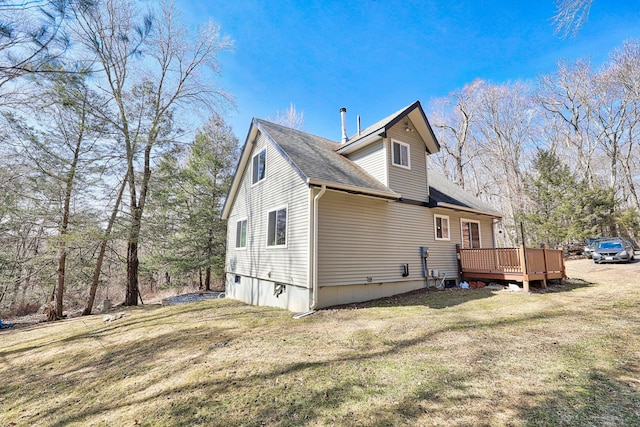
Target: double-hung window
{"points": [[401, 155], [277, 227], [241, 234], [441, 227], [259, 163]]}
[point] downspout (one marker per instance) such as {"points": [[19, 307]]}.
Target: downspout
{"points": [[314, 279]]}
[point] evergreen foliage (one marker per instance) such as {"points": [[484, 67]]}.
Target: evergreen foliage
{"points": [[186, 204]]}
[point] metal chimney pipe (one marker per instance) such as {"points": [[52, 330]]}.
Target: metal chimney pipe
{"points": [[343, 117], [358, 122]]}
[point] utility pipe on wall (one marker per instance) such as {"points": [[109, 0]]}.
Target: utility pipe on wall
{"points": [[314, 278]]}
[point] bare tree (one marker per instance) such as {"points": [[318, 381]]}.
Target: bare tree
{"points": [[290, 118], [565, 96], [102, 249], [153, 70], [455, 122], [570, 16], [60, 139], [507, 131], [624, 72]]}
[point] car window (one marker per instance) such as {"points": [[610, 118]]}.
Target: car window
{"points": [[610, 245]]}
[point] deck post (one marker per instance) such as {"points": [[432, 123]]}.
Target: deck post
{"points": [[523, 265], [459, 258], [546, 267]]}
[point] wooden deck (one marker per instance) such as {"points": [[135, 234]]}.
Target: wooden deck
{"points": [[517, 264]]}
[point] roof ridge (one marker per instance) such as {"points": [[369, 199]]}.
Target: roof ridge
{"points": [[289, 129]]}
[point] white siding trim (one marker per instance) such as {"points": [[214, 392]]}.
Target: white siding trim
{"points": [[426, 172], [385, 149]]}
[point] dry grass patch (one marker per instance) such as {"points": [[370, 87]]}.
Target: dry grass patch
{"points": [[570, 357]]}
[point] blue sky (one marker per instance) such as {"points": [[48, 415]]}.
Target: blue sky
{"points": [[375, 57]]}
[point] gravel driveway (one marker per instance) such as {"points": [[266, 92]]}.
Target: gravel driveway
{"points": [[589, 271], [199, 296]]}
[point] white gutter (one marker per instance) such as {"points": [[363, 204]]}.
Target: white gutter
{"points": [[314, 277], [353, 189]]}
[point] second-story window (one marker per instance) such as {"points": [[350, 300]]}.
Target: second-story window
{"points": [[401, 154], [259, 166]]}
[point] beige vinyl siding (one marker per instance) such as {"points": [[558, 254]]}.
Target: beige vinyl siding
{"points": [[372, 159], [281, 187], [412, 184], [361, 238]]}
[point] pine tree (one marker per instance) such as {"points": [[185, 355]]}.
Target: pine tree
{"points": [[186, 205]]}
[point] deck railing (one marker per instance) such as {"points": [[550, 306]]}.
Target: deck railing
{"points": [[519, 264]]}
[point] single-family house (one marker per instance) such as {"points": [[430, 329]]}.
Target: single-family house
{"points": [[314, 223]]}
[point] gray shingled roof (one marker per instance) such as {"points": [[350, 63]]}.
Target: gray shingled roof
{"points": [[316, 159], [413, 111], [441, 190]]}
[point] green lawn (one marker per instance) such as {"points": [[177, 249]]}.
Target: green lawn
{"points": [[570, 356]]}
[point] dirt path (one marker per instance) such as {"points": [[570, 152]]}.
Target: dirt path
{"points": [[586, 269]]}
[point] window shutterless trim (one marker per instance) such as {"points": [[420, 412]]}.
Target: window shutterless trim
{"points": [[254, 169], [435, 226], [474, 221], [393, 157], [273, 234], [239, 233]]}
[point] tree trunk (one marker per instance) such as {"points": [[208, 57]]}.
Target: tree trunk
{"points": [[103, 248], [66, 212], [132, 273], [207, 279], [62, 258], [137, 207]]}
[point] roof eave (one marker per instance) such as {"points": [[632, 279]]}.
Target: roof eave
{"points": [[417, 116], [467, 209], [390, 195], [242, 163], [350, 147]]}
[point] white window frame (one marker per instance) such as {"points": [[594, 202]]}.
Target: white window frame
{"points": [[435, 226], [393, 159], [246, 233], [253, 159], [286, 224], [463, 220]]}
